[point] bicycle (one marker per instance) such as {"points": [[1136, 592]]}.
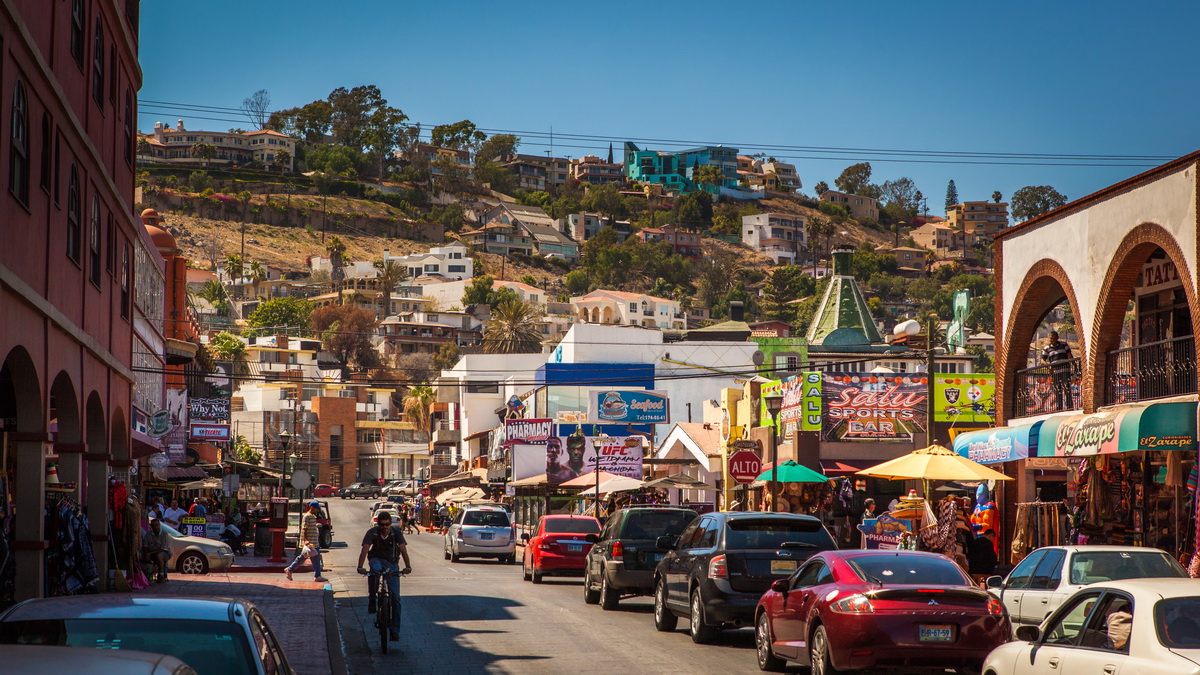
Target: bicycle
{"points": [[383, 604]]}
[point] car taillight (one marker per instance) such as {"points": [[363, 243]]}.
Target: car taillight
{"points": [[512, 533], [717, 569], [855, 604], [994, 607], [618, 551]]}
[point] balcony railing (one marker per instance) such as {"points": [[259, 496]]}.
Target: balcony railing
{"points": [[1048, 388], [1153, 370]]}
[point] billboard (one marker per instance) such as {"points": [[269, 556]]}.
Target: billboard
{"points": [[175, 440], [209, 409], [528, 431], [873, 406], [525, 446], [965, 399], [801, 406], [640, 406], [568, 457]]}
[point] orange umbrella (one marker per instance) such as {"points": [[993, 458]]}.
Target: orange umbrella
{"points": [[588, 479]]}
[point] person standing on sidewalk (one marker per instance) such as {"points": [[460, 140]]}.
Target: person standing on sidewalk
{"points": [[173, 514], [382, 548], [309, 538], [198, 509]]}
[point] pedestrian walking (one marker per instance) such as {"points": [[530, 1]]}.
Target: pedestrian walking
{"points": [[198, 509], [308, 544], [1058, 352]]}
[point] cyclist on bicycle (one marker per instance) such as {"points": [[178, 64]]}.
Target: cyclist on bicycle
{"points": [[382, 546]]}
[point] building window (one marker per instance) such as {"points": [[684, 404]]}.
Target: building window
{"points": [[18, 152], [111, 261], [47, 148], [130, 144], [98, 65], [112, 74], [73, 226], [94, 242], [57, 164], [77, 31], [125, 282]]}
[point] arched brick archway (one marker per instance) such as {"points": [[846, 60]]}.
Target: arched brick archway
{"points": [[1119, 281], [22, 394], [1045, 285]]}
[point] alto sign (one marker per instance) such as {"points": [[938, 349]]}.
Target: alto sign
{"points": [[744, 466]]}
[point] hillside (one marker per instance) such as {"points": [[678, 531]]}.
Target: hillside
{"points": [[857, 233]]}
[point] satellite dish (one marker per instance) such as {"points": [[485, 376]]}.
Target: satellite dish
{"points": [[757, 358]]}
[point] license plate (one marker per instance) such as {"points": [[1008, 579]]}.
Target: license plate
{"points": [[574, 548], [485, 535], [657, 556], [783, 566], [935, 633]]}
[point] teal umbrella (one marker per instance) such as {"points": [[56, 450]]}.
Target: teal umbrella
{"points": [[791, 472]]}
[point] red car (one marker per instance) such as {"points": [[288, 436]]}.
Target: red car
{"points": [[557, 546], [859, 609], [323, 490]]}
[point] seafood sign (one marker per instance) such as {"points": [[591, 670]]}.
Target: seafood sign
{"points": [[609, 406]]}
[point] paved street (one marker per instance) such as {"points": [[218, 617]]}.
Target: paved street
{"points": [[481, 617]]}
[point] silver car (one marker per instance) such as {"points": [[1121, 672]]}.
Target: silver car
{"points": [[196, 555], [482, 532]]}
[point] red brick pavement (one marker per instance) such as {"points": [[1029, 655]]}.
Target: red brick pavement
{"points": [[295, 609]]}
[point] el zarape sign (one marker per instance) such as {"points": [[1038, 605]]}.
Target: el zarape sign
{"points": [[608, 406], [1160, 426], [964, 399], [873, 406]]}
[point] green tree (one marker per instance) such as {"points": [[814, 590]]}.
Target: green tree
{"points": [[983, 361], [693, 211], [1032, 201], [390, 274], [784, 285], [577, 282], [257, 274], [226, 346], [708, 174], [143, 147], [512, 329], [479, 291], [820, 227], [529, 280], [460, 135], [499, 145], [199, 181], [215, 294], [447, 356], [204, 152], [418, 404], [234, 269], [607, 201], [283, 159], [951, 194], [336, 248], [536, 198], [280, 315], [338, 160], [242, 452], [350, 115], [386, 130], [854, 178], [903, 195], [346, 331], [820, 188], [997, 197]]}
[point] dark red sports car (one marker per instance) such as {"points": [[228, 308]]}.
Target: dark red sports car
{"points": [[857, 609], [557, 546]]}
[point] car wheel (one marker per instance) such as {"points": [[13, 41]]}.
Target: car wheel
{"points": [[609, 598], [818, 653], [192, 563], [446, 552], [535, 573], [509, 559], [590, 596], [701, 632], [453, 556], [762, 641], [664, 619], [525, 570]]}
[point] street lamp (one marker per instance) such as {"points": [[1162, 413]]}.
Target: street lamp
{"points": [[284, 439], [774, 403], [912, 328]]}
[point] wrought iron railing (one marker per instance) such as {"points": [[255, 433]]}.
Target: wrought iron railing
{"points": [[1048, 388], [1151, 370]]}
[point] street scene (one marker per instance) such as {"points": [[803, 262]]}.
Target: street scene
{"points": [[354, 340]]}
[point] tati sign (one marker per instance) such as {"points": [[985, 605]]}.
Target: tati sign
{"points": [[1158, 275]]}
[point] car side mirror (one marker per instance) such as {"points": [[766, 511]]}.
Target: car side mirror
{"points": [[1028, 633], [995, 582], [592, 538], [665, 541], [524, 536], [780, 585]]}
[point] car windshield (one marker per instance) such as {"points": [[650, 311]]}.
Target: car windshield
{"points": [[210, 647], [1089, 567], [892, 568], [1177, 621], [571, 526], [653, 524], [486, 518], [753, 533]]}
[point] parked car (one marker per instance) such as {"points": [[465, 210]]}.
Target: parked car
{"points": [[1145, 626], [1049, 575], [720, 566], [325, 490], [400, 487], [557, 546], [215, 636], [196, 555], [866, 609], [625, 553], [41, 659], [481, 532], [291, 538], [365, 490]]}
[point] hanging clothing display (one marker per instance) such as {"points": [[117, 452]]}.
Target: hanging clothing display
{"points": [[70, 560], [1038, 524]]}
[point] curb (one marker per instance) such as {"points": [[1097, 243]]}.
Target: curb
{"points": [[333, 638]]}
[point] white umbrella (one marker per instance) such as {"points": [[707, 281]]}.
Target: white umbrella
{"points": [[618, 484]]}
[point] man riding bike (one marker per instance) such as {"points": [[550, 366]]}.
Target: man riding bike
{"points": [[382, 546]]}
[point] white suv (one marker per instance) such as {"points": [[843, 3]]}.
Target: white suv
{"points": [[481, 532]]}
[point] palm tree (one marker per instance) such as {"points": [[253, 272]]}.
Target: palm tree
{"points": [[390, 274], [234, 269], [417, 403], [228, 347], [511, 329], [336, 249], [820, 227], [216, 295], [143, 147], [257, 275]]}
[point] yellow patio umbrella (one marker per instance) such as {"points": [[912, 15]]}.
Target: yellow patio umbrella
{"points": [[933, 463]]}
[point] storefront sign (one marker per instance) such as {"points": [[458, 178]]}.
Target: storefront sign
{"points": [[193, 526], [209, 409], [632, 407], [528, 431], [568, 457], [810, 396], [873, 407], [883, 532], [1002, 444], [209, 432], [964, 399], [1158, 274]]}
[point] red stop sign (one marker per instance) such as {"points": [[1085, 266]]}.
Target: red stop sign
{"points": [[744, 466]]}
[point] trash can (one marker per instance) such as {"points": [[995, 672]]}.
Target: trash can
{"points": [[262, 538]]}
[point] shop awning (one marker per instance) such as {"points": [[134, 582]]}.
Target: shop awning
{"points": [[1151, 426], [1001, 444], [842, 467]]}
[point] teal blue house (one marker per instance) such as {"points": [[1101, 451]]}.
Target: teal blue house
{"points": [[675, 170]]}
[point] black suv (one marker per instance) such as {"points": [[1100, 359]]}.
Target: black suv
{"points": [[622, 559], [721, 565], [368, 490]]}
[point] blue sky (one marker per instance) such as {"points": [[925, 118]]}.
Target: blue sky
{"points": [[1061, 78]]}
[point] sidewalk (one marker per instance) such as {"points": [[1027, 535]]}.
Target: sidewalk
{"points": [[297, 611]]}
